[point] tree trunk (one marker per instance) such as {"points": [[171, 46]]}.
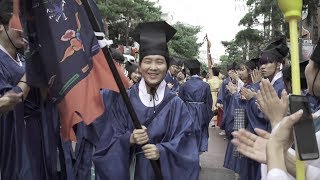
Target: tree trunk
{"points": [[264, 27], [127, 31], [315, 27], [106, 28], [248, 50]]}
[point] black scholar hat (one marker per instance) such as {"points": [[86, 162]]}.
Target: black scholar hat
{"points": [[275, 51], [252, 63], [192, 64], [153, 38]]}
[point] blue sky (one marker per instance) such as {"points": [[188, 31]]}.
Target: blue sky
{"points": [[218, 18]]}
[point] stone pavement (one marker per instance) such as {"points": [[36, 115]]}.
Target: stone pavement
{"points": [[212, 161]]}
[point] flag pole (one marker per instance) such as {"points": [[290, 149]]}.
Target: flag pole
{"points": [[95, 26], [209, 57]]}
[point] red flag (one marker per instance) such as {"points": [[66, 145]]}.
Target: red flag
{"points": [[84, 98]]}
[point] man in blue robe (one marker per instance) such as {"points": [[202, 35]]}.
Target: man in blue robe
{"points": [[14, 157], [197, 96], [171, 76], [271, 61], [28, 150], [168, 135]]}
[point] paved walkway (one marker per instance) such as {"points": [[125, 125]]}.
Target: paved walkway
{"points": [[212, 161]]}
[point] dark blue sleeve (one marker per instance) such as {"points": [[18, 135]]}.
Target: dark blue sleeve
{"points": [[255, 117], [176, 86], [112, 156], [209, 96], [167, 78], [221, 93], [181, 93], [4, 82], [179, 155], [230, 113]]}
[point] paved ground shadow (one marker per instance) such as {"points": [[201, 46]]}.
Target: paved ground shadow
{"points": [[216, 174]]}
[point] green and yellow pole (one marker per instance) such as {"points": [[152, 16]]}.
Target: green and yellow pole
{"points": [[292, 13]]}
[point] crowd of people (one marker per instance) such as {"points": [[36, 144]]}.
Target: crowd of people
{"points": [[175, 102], [255, 114]]}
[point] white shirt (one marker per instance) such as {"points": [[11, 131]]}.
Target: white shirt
{"points": [[240, 85], [17, 60], [145, 97], [312, 170], [277, 174], [276, 77]]}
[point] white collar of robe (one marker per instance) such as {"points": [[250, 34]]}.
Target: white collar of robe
{"points": [[145, 97]]}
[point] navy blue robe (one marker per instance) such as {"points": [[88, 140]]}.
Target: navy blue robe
{"points": [[29, 134], [224, 98], [54, 160], [78, 162], [14, 156], [173, 80], [230, 161], [198, 98], [172, 131], [255, 116]]}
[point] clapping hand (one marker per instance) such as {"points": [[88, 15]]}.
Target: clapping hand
{"points": [[247, 93], [251, 145], [255, 146], [256, 76], [270, 104], [232, 88]]}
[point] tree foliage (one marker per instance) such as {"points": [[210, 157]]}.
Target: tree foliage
{"points": [[233, 52], [184, 43], [248, 42], [266, 13], [122, 16]]}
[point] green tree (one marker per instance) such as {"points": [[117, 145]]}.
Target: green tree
{"points": [[249, 40], [269, 12], [224, 59], [184, 43], [233, 53], [122, 16], [312, 8]]}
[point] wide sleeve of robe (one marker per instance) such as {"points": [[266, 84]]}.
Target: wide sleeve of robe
{"points": [[222, 90], [179, 156]]}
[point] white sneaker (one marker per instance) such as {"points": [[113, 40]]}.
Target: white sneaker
{"points": [[222, 133]]}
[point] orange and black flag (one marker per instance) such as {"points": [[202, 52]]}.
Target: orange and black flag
{"points": [[64, 55]]}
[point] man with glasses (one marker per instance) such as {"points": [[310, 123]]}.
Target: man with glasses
{"points": [[171, 77]]}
